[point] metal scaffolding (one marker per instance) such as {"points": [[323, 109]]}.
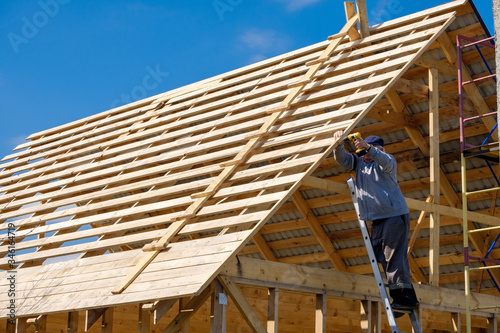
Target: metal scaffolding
{"points": [[487, 150]]}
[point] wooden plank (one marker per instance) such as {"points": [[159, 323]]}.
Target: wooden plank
{"points": [[148, 123], [418, 16], [242, 304], [310, 280], [273, 310], [326, 185], [144, 320], [453, 212], [321, 313], [318, 231], [218, 311], [20, 327], [364, 27], [350, 11], [418, 226], [434, 171]]}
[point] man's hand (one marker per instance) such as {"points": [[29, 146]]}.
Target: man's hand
{"points": [[360, 144], [338, 135]]}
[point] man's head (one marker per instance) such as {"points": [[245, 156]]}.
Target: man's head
{"points": [[376, 142]]}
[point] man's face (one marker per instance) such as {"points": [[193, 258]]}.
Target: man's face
{"points": [[369, 159]]}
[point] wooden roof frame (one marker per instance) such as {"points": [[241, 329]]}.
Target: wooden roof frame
{"points": [[192, 175]]}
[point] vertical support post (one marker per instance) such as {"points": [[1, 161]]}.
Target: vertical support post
{"points": [[218, 310], [72, 322], [371, 317], [493, 324], [272, 310], [144, 320], [434, 175], [20, 326], [320, 320], [182, 304], [363, 18], [107, 321], [456, 325]]}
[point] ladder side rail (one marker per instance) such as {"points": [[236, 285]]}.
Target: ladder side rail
{"points": [[373, 261]]}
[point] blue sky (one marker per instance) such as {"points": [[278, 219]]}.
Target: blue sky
{"points": [[62, 60]]}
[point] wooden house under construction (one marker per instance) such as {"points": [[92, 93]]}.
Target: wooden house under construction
{"points": [[217, 207]]}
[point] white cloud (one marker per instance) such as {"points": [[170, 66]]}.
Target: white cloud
{"points": [[264, 40], [294, 5], [16, 141], [263, 43]]}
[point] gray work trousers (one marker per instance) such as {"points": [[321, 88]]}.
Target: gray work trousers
{"points": [[390, 243]]}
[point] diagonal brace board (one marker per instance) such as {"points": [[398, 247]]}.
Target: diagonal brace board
{"points": [[230, 168]]}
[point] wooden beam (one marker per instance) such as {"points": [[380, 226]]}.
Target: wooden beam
{"points": [[414, 134], [320, 314], [183, 302], [326, 185], [364, 27], [434, 169], [318, 231], [218, 311], [242, 304], [144, 320], [272, 310], [92, 316], [73, 317], [350, 11], [189, 310], [453, 212], [263, 247], [20, 326], [371, 316], [428, 62], [493, 324], [341, 284]]}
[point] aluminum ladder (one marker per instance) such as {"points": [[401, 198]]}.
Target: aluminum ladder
{"points": [[376, 271]]}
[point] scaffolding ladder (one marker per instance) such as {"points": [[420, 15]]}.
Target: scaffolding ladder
{"points": [[487, 151], [378, 275]]}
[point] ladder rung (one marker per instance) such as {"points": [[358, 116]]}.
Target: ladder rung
{"points": [[483, 268], [483, 229], [493, 189]]}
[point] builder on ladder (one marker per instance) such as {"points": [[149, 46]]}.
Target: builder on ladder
{"points": [[380, 200]]}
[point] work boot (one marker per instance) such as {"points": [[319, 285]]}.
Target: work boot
{"points": [[403, 299]]}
